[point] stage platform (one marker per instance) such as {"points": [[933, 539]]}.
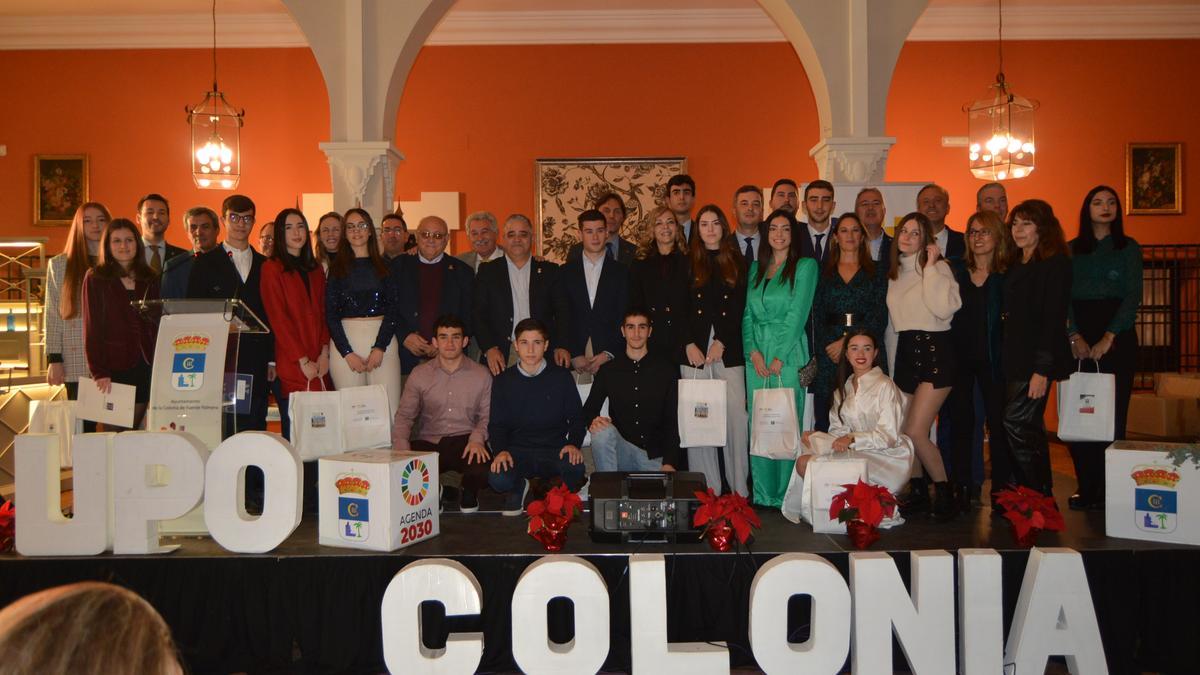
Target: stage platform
{"points": [[311, 608]]}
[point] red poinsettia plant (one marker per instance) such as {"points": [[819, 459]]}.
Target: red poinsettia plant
{"points": [[1030, 512], [8, 527], [862, 506], [549, 517], [724, 515]]}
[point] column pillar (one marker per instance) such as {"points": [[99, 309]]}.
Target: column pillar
{"points": [[364, 175]]}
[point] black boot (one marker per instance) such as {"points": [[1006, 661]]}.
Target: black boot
{"points": [[962, 497], [917, 499], [945, 507]]}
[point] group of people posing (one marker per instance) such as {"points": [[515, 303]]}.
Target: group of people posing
{"points": [[483, 355]]}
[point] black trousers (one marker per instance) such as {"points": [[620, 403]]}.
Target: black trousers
{"points": [[962, 401], [1092, 317], [1025, 427], [450, 450]]}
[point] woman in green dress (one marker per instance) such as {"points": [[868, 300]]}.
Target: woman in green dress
{"points": [[778, 300]]}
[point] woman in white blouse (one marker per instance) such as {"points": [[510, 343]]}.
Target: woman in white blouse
{"points": [[864, 423], [922, 299]]}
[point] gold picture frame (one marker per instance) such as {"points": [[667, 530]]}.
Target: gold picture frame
{"points": [[567, 187], [1153, 179], [60, 186]]}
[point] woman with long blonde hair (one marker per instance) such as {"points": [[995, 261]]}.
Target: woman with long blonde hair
{"points": [[64, 287], [659, 280]]}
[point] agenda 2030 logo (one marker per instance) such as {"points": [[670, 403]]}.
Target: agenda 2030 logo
{"points": [[187, 362]]}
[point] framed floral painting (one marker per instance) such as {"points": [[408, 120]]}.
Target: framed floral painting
{"points": [[568, 187], [60, 186], [1154, 178]]}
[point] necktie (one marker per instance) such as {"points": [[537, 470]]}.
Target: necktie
{"points": [[818, 250], [156, 261], [749, 252], [611, 253]]}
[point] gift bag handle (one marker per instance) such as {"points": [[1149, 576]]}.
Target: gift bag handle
{"points": [[1079, 364], [703, 368], [308, 383]]}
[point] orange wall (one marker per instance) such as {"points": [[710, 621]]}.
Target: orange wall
{"points": [[473, 119]]}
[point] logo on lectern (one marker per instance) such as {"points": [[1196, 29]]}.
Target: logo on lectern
{"points": [[414, 482], [353, 513], [187, 363], [1155, 501]]}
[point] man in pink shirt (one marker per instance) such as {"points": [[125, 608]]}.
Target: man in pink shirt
{"points": [[448, 400]]}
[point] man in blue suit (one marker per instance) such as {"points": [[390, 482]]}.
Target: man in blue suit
{"points": [[428, 285], [594, 289], [870, 209]]}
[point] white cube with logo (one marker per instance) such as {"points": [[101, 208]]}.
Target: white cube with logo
{"points": [[379, 500], [1148, 497]]}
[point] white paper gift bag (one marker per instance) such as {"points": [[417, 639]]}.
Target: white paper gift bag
{"points": [[774, 427], [1087, 406], [702, 412], [316, 423], [56, 417], [366, 417], [825, 477]]}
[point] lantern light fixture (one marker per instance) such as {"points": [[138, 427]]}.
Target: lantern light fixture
{"points": [[216, 134]]}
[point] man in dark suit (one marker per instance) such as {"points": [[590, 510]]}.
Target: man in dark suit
{"points": [[680, 196], [204, 229], [816, 233], [154, 217], [613, 207], [512, 288], [748, 210], [428, 285], [871, 210], [234, 270], [594, 288], [934, 201]]}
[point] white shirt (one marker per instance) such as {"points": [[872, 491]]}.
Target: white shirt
{"points": [[741, 242], [496, 253], [518, 282], [540, 368], [942, 239], [591, 274], [162, 251], [876, 245], [430, 262], [243, 260], [812, 236]]}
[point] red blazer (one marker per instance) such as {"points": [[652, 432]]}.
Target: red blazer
{"points": [[297, 317], [116, 336]]}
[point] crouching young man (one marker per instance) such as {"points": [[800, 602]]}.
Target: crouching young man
{"points": [[535, 426], [641, 432]]}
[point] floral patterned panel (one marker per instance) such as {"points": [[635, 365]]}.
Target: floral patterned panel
{"points": [[568, 187]]}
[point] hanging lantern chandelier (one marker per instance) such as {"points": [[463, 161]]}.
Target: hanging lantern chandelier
{"points": [[216, 134], [1000, 141]]}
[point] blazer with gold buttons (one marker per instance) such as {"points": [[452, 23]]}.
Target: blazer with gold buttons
{"points": [[718, 307], [662, 286]]}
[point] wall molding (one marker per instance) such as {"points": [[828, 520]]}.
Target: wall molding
{"points": [[156, 31]]}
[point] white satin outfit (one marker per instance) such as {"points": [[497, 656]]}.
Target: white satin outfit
{"points": [[872, 415]]}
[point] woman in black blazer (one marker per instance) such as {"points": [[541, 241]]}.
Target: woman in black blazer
{"points": [[1034, 351], [714, 343], [660, 281]]}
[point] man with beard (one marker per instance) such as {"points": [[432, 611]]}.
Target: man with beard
{"points": [[154, 216], [393, 235], [819, 205], [785, 195], [619, 248], [870, 209], [680, 196], [203, 229], [934, 201], [748, 209]]}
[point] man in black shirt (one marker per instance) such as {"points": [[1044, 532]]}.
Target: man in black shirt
{"points": [[641, 432]]}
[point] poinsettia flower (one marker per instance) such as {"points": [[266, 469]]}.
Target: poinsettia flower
{"points": [[863, 501]]}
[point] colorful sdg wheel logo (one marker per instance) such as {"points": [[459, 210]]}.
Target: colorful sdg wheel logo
{"points": [[414, 482]]}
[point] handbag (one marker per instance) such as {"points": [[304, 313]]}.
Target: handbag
{"points": [[1087, 406], [774, 427], [701, 413], [316, 422], [808, 372]]}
